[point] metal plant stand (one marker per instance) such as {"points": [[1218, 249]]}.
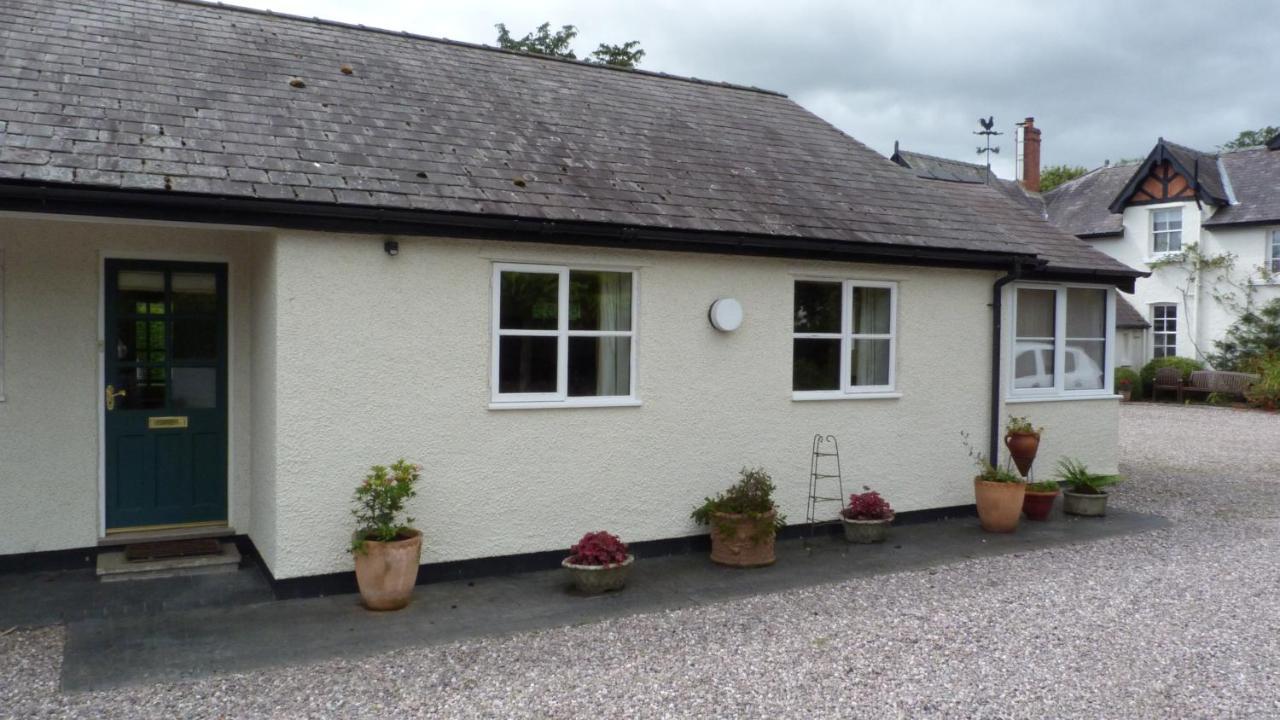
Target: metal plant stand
{"points": [[824, 466]]}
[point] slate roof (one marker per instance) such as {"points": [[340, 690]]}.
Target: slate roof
{"points": [[933, 167], [1081, 206], [194, 99], [1254, 174], [1128, 317]]}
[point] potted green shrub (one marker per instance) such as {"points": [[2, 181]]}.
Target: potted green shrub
{"points": [[1023, 441], [867, 517], [387, 551], [997, 491], [599, 562], [1127, 380], [1086, 492], [744, 521], [1039, 499]]}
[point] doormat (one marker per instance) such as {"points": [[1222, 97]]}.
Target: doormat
{"points": [[139, 552]]}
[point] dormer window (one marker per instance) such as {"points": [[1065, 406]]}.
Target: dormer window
{"points": [[1166, 230]]}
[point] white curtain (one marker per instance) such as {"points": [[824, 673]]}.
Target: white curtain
{"points": [[871, 316], [614, 353]]}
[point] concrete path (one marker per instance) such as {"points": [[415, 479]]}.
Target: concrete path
{"points": [[110, 652]]}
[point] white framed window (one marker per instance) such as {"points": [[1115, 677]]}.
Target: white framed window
{"points": [[1063, 340], [1166, 230], [1164, 330], [563, 336], [844, 338], [1273, 251]]}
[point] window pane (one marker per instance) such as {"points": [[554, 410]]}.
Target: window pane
{"points": [[869, 362], [143, 387], [195, 338], [871, 309], [526, 364], [195, 293], [599, 366], [1084, 362], [599, 301], [1036, 313], [816, 365], [195, 388], [1086, 313], [529, 301], [1033, 365], [817, 308], [140, 293]]}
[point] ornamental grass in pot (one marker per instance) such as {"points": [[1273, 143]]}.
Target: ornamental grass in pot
{"points": [[598, 563], [1086, 492], [1023, 441], [867, 517], [744, 521], [387, 552]]}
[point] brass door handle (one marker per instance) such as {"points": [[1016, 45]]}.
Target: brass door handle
{"points": [[112, 394]]}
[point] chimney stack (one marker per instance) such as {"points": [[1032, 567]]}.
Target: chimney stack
{"points": [[1030, 155]]}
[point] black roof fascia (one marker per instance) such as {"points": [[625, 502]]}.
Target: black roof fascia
{"points": [[251, 212]]}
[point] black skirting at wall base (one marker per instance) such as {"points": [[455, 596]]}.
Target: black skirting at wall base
{"points": [[345, 582], [49, 560]]}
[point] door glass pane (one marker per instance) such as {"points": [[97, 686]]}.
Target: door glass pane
{"points": [[195, 293], [817, 308], [195, 388], [529, 301], [1083, 364], [871, 309], [1086, 313], [526, 364], [195, 338], [599, 301], [144, 388], [869, 362], [599, 366], [816, 365], [140, 340], [1036, 311], [140, 293]]}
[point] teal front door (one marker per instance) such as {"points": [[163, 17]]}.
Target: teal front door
{"points": [[165, 394]]}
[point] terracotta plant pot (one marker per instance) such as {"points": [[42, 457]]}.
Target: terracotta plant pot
{"points": [[999, 504], [866, 531], [742, 541], [1022, 448], [596, 579], [1087, 504], [387, 571], [1126, 395], [1038, 505]]}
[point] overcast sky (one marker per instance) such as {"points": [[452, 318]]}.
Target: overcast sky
{"points": [[1102, 79]]}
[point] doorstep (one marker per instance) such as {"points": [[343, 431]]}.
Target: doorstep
{"points": [[115, 567], [169, 647], [166, 535]]}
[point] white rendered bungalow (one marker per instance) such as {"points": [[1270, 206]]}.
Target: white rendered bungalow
{"points": [[235, 275]]}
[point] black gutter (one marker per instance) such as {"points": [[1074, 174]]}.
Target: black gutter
{"points": [[997, 329], [331, 217]]}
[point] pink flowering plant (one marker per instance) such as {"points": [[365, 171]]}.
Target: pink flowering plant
{"points": [[599, 548], [380, 500], [867, 506]]}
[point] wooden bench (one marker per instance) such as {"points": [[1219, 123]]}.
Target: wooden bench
{"points": [[1205, 382]]}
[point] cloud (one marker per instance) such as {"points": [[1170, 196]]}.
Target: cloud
{"points": [[1103, 79]]}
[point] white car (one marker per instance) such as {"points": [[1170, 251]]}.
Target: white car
{"points": [[1033, 368]]}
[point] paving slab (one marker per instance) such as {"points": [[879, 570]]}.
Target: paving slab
{"points": [[111, 652]]}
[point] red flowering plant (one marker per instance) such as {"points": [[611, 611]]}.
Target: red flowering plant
{"points": [[867, 506], [599, 548]]}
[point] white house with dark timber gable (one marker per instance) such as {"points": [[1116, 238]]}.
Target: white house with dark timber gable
{"points": [[234, 277]]}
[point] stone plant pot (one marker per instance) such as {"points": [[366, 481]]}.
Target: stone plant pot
{"points": [[1038, 505], [387, 571], [596, 579], [999, 504], [1087, 504], [866, 531], [1126, 395], [737, 540], [1022, 448]]}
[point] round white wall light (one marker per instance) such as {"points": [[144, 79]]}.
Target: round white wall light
{"points": [[726, 314]]}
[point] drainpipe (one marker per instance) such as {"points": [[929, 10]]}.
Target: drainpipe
{"points": [[997, 331]]}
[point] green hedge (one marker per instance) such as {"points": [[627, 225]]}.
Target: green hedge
{"points": [[1186, 365]]}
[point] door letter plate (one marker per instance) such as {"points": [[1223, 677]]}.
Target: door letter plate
{"points": [[164, 423]]}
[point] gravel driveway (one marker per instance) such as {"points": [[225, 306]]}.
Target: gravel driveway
{"points": [[1178, 623]]}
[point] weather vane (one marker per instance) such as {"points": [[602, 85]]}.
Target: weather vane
{"points": [[987, 124]]}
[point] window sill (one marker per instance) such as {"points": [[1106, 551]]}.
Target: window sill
{"points": [[1160, 257], [808, 396], [1059, 398], [577, 403]]}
